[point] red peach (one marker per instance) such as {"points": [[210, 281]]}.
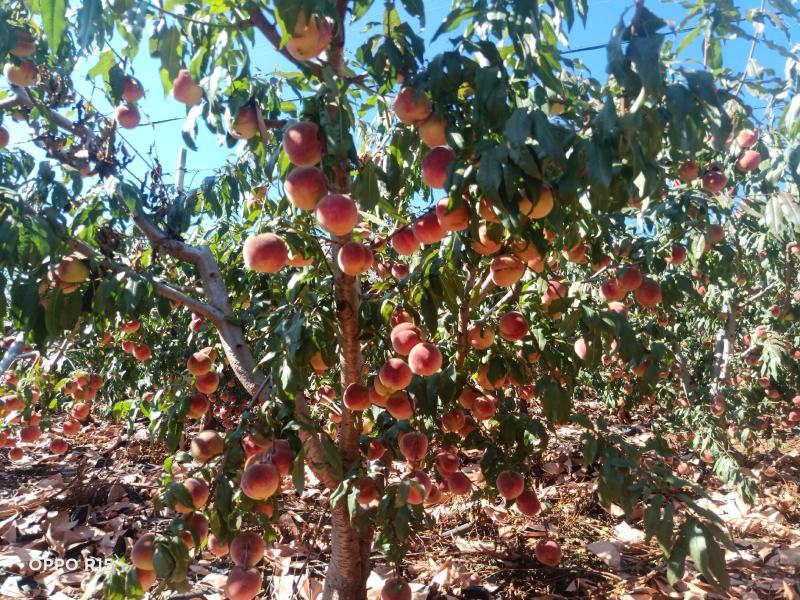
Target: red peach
{"points": [[435, 165], [247, 549], [427, 229], [302, 144], [510, 484], [414, 445], [185, 90], [395, 374], [411, 105], [260, 481], [425, 359], [513, 326], [265, 253], [337, 214], [405, 242], [305, 186], [356, 397]]}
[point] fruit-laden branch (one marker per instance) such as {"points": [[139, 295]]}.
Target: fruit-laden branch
{"points": [[21, 98]]}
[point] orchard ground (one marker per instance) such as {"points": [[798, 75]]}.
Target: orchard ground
{"points": [[95, 501]]}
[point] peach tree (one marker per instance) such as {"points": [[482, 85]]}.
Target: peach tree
{"points": [[412, 254]]}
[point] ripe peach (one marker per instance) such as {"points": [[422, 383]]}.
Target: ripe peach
{"points": [[337, 214], [400, 270], [132, 90], [548, 552], [467, 397], [486, 382], [542, 208], [71, 269], [24, 44], [748, 161], [513, 326], [130, 326], [376, 450], [4, 137], [354, 258], [611, 291], [528, 503], [377, 398], [247, 549], [367, 491], [80, 411], [395, 374], [458, 484], [265, 253], [434, 166], [447, 462], [15, 454], [649, 293], [142, 353], [260, 481], [401, 316], [688, 171], [506, 270], [629, 279], [747, 138], [425, 359], [185, 90], [196, 526], [208, 383], [356, 397], [396, 588], [146, 578], [199, 492], [404, 337], [243, 584], [253, 444], [142, 552], [70, 427], [127, 116], [318, 362], [714, 181], [30, 434], [427, 229], [305, 186], [216, 546], [302, 144], [432, 130], [510, 484], [206, 445], [411, 105], [309, 38], [420, 486], [484, 408], [405, 242], [22, 74], [244, 125], [58, 446], [677, 255], [413, 445], [453, 420], [455, 219], [399, 405], [199, 364], [480, 336]]}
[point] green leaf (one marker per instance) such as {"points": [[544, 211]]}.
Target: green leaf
{"points": [[365, 187], [708, 556], [53, 14]]}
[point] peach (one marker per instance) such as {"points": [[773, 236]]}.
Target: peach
{"points": [[748, 161], [747, 138], [506, 270], [71, 269], [447, 462], [337, 214], [265, 253], [142, 353], [354, 258], [376, 450], [146, 578], [367, 491], [611, 291], [260, 481], [208, 383], [649, 293], [454, 420], [206, 445], [247, 549], [458, 484], [396, 588], [405, 242], [480, 336], [629, 279], [195, 526], [302, 144], [132, 90], [452, 219], [199, 492], [467, 397], [548, 552], [486, 210], [400, 270], [528, 503], [131, 326], [420, 486], [15, 454], [513, 326], [127, 116], [510, 484], [427, 229], [356, 397], [24, 44], [425, 359], [199, 363], [22, 74], [310, 37], [714, 181], [525, 250], [58, 446], [404, 337], [581, 348], [677, 255], [4, 137], [401, 316], [185, 90], [243, 584], [377, 398], [688, 171], [484, 408], [411, 105], [80, 411], [318, 362], [413, 445], [30, 434], [399, 405], [142, 552], [435, 164], [305, 186], [216, 546], [70, 427], [488, 383], [395, 374], [253, 444], [431, 130], [542, 208]]}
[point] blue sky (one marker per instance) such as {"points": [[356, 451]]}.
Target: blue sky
{"points": [[164, 139]]}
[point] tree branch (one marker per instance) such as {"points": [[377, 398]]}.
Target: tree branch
{"points": [[270, 32]]}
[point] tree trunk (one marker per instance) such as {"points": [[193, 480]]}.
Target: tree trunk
{"points": [[349, 567]]}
